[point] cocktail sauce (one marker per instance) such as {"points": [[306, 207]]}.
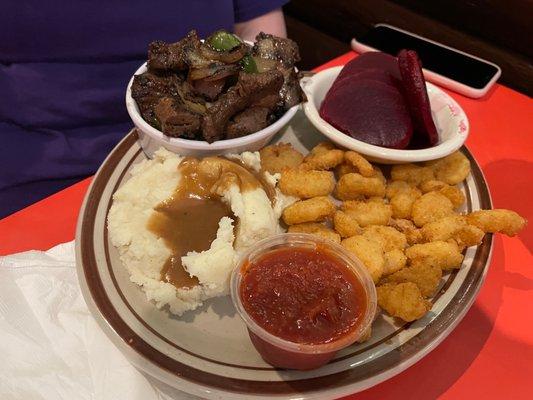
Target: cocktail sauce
{"points": [[303, 295]]}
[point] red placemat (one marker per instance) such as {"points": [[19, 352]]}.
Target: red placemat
{"points": [[490, 354]]}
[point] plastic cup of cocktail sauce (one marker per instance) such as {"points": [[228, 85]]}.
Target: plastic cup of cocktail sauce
{"points": [[282, 353]]}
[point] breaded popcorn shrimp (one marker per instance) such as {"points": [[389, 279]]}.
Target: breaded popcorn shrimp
{"points": [[425, 276], [343, 169], [499, 220], [445, 255], [454, 227], [324, 156], [431, 207], [411, 232], [311, 210], [395, 260], [346, 224], [369, 252], [368, 213], [317, 229], [388, 237], [360, 163], [451, 169], [306, 184], [453, 193], [412, 173], [353, 185], [402, 300], [277, 157]]}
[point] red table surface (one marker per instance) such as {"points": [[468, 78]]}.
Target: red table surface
{"points": [[490, 354]]}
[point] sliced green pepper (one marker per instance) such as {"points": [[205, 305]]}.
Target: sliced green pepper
{"points": [[248, 64], [223, 41]]}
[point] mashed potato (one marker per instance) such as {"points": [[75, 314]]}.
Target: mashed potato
{"points": [[143, 254]]}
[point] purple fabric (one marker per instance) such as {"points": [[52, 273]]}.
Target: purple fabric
{"points": [[64, 67]]}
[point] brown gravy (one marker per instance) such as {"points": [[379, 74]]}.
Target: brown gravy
{"points": [[188, 220]]}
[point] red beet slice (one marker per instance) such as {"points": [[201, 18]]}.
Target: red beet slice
{"points": [[370, 111], [416, 95], [373, 59], [371, 73]]}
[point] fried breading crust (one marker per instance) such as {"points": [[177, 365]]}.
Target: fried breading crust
{"points": [[445, 255], [499, 220], [368, 213], [431, 207], [451, 169], [411, 173], [346, 224], [425, 276], [324, 156], [277, 157], [402, 300], [369, 252], [317, 229], [311, 210], [353, 185], [306, 184]]}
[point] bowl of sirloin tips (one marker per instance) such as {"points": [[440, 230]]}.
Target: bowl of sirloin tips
{"points": [[215, 96], [381, 106]]}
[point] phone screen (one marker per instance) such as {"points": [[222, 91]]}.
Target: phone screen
{"points": [[456, 66]]}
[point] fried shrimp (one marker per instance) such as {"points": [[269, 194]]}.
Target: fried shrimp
{"points": [[431, 207], [499, 220], [402, 203], [317, 229], [354, 185], [411, 232], [397, 187], [343, 169], [395, 260], [310, 210], [324, 156], [445, 255], [451, 169], [455, 228], [360, 163], [368, 213], [277, 157], [388, 237], [346, 224], [453, 193], [402, 300], [369, 252], [425, 276], [306, 184], [412, 173]]}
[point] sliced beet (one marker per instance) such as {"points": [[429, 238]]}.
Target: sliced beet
{"points": [[370, 73], [415, 92], [374, 59], [371, 111]]}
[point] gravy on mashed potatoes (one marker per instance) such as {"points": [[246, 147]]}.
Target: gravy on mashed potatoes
{"points": [[188, 221], [180, 224]]}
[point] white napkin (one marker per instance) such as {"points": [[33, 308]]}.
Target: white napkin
{"points": [[50, 346]]}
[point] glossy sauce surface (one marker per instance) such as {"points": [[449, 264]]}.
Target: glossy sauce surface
{"points": [[303, 295], [188, 220]]}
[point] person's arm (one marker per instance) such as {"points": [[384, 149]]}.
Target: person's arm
{"points": [[272, 22]]}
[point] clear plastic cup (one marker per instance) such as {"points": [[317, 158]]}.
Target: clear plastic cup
{"points": [[286, 354]]}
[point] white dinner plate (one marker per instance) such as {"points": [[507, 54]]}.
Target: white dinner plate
{"points": [[207, 352]]}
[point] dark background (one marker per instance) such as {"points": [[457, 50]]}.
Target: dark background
{"points": [[497, 30]]}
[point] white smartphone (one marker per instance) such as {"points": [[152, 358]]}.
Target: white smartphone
{"points": [[443, 65]]}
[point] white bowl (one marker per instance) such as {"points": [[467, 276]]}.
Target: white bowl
{"points": [[450, 119], [152, 139]]}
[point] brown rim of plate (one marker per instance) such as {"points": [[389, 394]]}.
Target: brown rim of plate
{"points": [[464, 295]]}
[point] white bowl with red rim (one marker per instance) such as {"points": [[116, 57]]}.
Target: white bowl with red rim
{"points": [[450, 120]]}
